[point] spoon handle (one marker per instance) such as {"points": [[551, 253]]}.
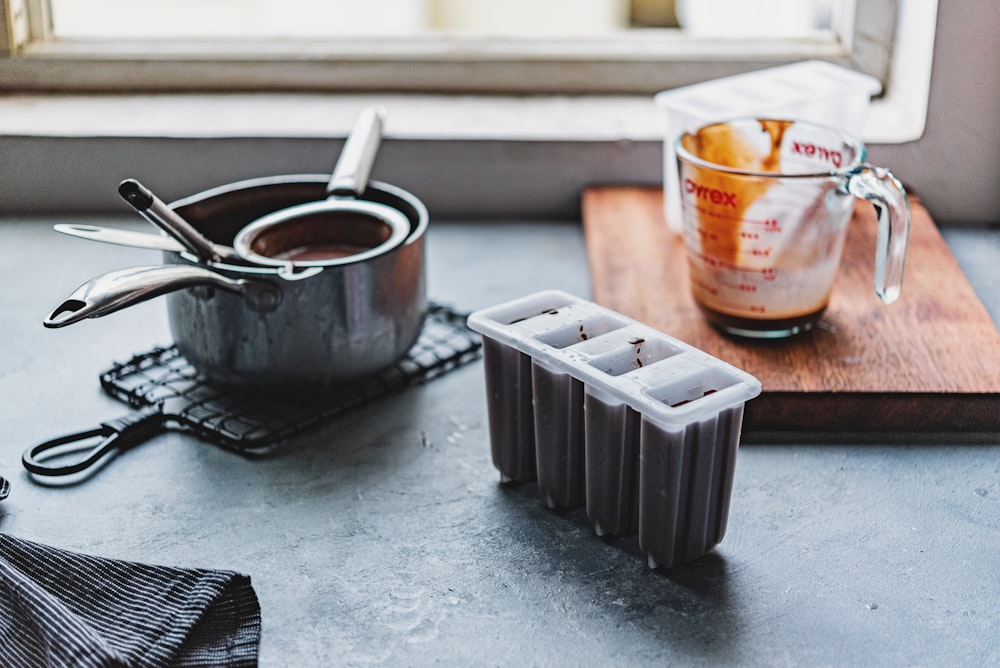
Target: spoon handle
{"points": [[150, 207], [120, 237]]}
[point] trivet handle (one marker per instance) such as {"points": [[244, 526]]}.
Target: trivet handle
{"points": [[116, 435]]}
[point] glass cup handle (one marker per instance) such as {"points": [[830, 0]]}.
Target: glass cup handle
{"points": [[878, 186]]}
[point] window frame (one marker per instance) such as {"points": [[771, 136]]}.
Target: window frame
{"points": [[642, 61]]}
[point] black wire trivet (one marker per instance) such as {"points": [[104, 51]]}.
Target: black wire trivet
{"points": [[253, 424]]}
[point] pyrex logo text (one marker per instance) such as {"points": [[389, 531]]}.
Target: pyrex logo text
{"points": [[713, 195], [836, 158]]}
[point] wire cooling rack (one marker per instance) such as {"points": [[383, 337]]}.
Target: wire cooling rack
{"points": [[254, 424]]}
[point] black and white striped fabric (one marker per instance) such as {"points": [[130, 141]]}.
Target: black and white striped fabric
{"points": [[60, 608]]}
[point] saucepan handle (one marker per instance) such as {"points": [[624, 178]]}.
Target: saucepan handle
{"points": [[121, 288]]}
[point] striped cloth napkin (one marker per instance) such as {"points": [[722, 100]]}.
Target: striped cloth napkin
{"points": [[60, 608]]}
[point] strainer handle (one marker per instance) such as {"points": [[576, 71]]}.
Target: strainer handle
{"points": [[350, 175]]}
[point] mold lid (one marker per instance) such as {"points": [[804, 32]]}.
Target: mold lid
{"points": [[776, 88]]}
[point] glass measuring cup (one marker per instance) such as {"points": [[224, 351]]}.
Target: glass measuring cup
{"points": [[766, 204]]}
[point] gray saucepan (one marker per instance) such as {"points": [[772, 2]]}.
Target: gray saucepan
{"points": [[259, 327]]}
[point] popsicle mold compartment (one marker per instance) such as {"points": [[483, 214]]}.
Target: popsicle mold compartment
{"points": [[811, 90], [606, 412]]}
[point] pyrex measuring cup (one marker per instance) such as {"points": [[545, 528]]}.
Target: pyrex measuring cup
{"points": [[766, 204]]}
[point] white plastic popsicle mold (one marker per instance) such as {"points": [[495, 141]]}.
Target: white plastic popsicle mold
{"points": [[606, 412], [811, 90]]}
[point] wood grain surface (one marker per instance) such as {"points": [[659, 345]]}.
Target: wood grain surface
{"points": [[928, 363]]}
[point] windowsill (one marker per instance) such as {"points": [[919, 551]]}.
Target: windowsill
{"points": [[410, 117], [466, 156], [323, 115]]}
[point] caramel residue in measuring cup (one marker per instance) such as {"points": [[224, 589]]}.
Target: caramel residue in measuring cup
{"points": [[777, 129], [723, 199]]}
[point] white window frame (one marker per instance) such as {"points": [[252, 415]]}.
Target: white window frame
{"points": [[512, 89], [637, 62]]}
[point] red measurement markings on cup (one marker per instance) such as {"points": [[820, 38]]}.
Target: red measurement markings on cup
{"points": [[715, 262], [769, 226], [722, 245], [711, 214], [743, 288], [758, 253], [729, 295]]}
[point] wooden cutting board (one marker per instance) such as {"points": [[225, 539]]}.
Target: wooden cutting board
{"points": [[928, 363]]}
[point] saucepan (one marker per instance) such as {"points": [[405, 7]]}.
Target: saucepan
{"points": [[254, 326], [314, 234]]}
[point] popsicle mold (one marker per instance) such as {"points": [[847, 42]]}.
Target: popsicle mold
{"points": [[606, 412]]}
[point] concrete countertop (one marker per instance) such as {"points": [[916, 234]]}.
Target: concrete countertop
{"points": [[384, 537]]}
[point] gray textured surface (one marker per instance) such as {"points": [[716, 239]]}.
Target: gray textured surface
{"points": [[384, 538]]}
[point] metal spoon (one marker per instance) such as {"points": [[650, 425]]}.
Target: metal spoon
{"points": [[152, 208], [120, 237]]}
